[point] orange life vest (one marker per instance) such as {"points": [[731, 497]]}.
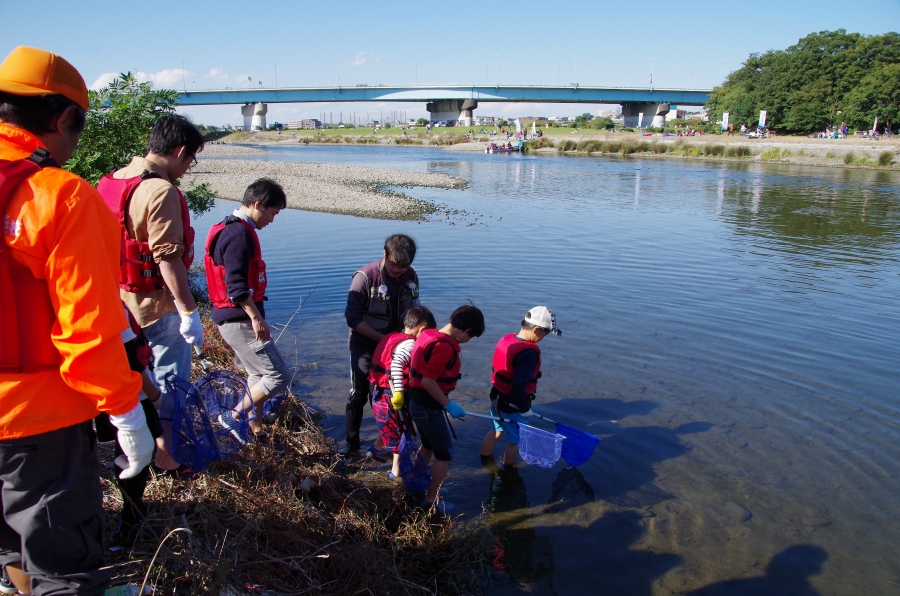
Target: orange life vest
{"points": [[138, 271], [215, 274]]}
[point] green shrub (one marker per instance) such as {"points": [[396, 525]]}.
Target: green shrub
{"points": [[715, 150], [739, 151], [849, 158], [773, 153], [830, 155], [660, 148], [567, 145], [885, 158]]}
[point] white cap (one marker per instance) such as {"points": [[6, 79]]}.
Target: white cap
{"points": [[543, 317]]}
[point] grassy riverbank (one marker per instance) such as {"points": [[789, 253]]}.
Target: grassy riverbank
{"points": [[851, 152], [295, 517]]}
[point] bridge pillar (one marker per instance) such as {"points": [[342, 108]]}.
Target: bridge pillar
{"points": [[254, 116], [452, 109], [654, 114]]}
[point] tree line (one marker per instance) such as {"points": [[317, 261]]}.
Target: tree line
{"points": [[824, 79]]}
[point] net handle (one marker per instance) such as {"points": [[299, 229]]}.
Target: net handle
{"points": [[543, 417], [477, 415]]}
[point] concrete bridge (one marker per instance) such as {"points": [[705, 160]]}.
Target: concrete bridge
{"points": [[641, 106]]}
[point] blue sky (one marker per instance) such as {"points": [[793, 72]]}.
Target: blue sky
{"points": [[221, 43]]}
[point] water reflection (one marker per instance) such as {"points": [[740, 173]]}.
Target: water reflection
{"points": [[786, 575], [522, 557]]}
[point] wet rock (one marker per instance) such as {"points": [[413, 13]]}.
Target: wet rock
{"points": [[736, 512]]}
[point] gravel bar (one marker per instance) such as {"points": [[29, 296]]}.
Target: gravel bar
{"points": [[348, 190]]}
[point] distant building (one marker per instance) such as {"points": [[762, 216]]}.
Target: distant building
{"points": [[676, 115], [609, 113], [488, 120], [307, 124]]}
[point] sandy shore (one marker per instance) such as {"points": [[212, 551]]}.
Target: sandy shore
{"points": [[348, 190]]}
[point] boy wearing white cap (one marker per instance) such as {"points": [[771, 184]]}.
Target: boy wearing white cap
{"points": [[515, 371]]}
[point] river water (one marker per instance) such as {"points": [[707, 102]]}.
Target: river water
{"points": [[729, 331]]}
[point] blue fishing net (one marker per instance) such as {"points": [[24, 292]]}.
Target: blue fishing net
{"points": [[538, 447], [226, 398], [193, 440], [272, 406], [578, 445], [413, 469]]}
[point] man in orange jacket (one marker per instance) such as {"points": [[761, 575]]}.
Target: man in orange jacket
{"points": [[61, 358]]}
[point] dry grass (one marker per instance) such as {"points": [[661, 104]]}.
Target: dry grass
{"points": [[295, 517]]}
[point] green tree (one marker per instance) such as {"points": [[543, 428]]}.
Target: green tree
{"points": [[422, 122], [805, 86], [602, 123], [583, 119], [119, 121], [877, 96]]}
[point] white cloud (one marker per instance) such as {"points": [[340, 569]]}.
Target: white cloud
{"points": [[103, 80], [171, 78]]}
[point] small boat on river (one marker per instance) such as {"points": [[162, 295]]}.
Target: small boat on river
{"points": [[492, 148]]}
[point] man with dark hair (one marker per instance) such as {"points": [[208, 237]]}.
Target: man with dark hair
{"points": [[236, 276], [159, 245], [62, 361], [379, 295]]}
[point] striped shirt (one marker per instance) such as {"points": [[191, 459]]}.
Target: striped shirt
{"points": [[400, 361]]}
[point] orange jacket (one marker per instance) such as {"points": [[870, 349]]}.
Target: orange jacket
{"points": [[58, 227]]}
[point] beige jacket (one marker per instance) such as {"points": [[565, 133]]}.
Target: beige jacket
{"points": [[154, 216]]}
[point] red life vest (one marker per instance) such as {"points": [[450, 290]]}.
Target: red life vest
{"points": [[502, 368], [138, 271], [215, 274], [32, 349], [380, 370], [421, 354]]}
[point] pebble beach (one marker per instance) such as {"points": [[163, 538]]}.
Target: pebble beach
{"points": [[348, 190]]}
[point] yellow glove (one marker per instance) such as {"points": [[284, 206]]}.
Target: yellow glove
{"points": [[397, 400]]}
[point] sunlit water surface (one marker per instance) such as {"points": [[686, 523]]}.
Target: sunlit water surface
{"points": [[730, 331]]}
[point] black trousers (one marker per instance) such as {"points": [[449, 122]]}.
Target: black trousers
{"points": [[360, 362], [52, 510]]}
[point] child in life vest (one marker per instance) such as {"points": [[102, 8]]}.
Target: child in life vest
{"points": [[515, 371], [389, 376], [433, 373]]}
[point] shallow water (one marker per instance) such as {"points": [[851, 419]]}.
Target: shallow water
{"points": [[729, 330]]}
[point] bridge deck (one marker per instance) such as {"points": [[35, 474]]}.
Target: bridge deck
{"points": [[423, 93]]}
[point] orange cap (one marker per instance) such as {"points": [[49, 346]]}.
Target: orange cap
{"points": [[30, 71]]}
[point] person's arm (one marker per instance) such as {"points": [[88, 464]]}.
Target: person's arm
{"points": [[357, 300], [260, 327], [400, 361], [165, 236], [524, 365], [431, 386], [88, 309], [175, 277]]}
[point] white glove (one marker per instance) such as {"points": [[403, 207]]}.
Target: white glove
{"points": [[527, 415], [135, 440], [192, 329]]}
